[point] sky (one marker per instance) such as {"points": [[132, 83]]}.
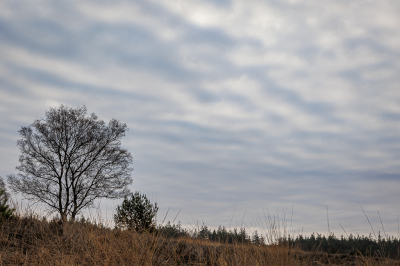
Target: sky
{"points": [[235, 109]]}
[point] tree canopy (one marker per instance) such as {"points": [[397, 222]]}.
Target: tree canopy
{"points": [[70, 159]]}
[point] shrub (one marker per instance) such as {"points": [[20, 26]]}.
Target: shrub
{"points": [[172, 230], [136, 213]]}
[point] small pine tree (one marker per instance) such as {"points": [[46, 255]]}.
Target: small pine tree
{"points": [[136, 213], [5, 211], [257, 239]]}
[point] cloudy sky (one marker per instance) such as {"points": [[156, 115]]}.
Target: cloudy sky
{"points": [[233, 107]]}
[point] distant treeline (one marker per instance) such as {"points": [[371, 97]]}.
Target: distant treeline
{"points": [[352, 245], [222, 234], [365, 245]]}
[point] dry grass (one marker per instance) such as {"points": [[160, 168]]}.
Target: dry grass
{"points": [[30, 241]]}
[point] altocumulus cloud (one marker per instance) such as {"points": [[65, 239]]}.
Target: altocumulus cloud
{"points": [[253, 104]]}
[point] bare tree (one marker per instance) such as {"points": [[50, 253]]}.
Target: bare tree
{"points": [[70, 159]]}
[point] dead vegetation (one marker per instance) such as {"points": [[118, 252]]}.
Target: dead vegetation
{"points": [[29, 240]]}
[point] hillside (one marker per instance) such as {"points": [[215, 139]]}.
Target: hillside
{"points": [[28, 240]]}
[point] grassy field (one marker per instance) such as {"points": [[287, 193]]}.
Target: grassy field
{"points": [[29, 240]]}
